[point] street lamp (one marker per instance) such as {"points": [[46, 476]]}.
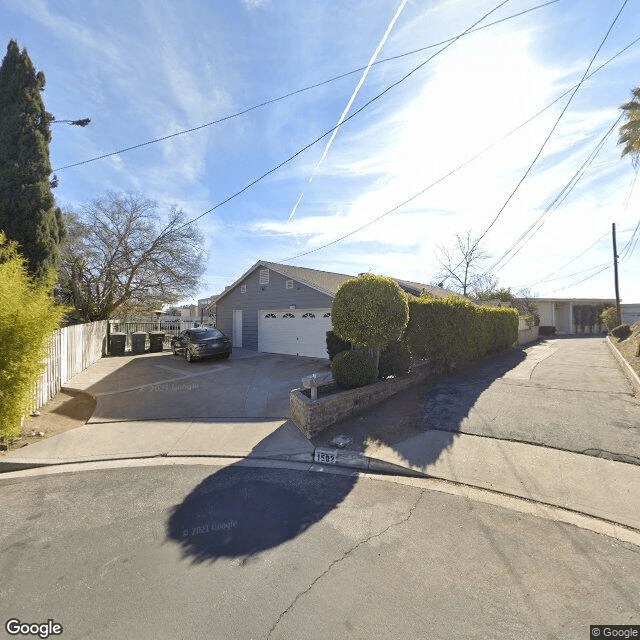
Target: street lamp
{"points": [[83, 122]]}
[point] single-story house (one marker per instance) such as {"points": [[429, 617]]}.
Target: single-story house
{"points": [[279, 308], [571, 315], [630, 313]]}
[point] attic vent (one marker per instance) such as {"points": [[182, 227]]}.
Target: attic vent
{"points": [[264, 276], [289, 284]]}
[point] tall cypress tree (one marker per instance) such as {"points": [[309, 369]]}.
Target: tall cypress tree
{"points": [[28, 213]]}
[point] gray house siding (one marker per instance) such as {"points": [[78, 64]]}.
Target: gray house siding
{"points": [[273, 295]]}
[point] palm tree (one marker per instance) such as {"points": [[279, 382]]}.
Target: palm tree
{"points": [[630, 130]]}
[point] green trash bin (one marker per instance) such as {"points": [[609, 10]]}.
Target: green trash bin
{"points": [[156, 340], [117, 342], [138, 342]]}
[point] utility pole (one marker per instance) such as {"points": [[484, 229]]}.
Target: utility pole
{"points": [[615, 271]]}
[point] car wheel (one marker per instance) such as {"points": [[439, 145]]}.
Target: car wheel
{"points": [[226, 355]]}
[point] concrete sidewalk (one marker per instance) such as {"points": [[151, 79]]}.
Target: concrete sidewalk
{"points": [[600, 488]]}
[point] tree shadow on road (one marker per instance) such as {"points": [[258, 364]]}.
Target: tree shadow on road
{"points": [[241, 511]]}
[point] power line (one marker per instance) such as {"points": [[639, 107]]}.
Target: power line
{"points": [[347, 119], [298, 91], [538, 154], [564, 266], [556, 202], [461, 166], [576, 273], [628, 249], [573, 284]]}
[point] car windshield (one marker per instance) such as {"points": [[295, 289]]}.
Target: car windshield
{"points": [[207, 334]]}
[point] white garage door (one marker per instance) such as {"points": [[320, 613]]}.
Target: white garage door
{"points": [[300, 332]]}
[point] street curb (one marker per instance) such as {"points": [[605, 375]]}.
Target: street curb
{"points": [[626, 367], [346, 458], [516, 504]]}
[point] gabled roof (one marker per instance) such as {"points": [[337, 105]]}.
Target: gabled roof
{"points": [[328, 282], [416, 288], [324, 281]]}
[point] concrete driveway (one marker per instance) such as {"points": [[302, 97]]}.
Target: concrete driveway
{"points": [[567, 393], [164, 386]]}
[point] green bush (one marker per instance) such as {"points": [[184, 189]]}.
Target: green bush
{"points": [[28, 317], [622, 332], [395, 360], [335, 345], [452, 331], [369, 311], [609, 317], [351, 369]]}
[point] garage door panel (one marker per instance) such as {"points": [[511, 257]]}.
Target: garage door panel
{"points": [[294, 331]]}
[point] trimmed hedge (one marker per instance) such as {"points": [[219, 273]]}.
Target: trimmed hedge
{"points": [[395, 360], [452, 331], [370, 311], [335, 345], [351, 369]]}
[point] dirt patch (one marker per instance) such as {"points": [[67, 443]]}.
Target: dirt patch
{"points": [[66, 410], [629, 347]]}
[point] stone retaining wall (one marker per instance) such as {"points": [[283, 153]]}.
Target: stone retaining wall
{"points": [[313, 416]]}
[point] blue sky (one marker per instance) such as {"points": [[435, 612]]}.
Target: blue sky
{"points": [[145, 70]]}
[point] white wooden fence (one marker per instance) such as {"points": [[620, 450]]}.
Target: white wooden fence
{"points": [[72, 350]]}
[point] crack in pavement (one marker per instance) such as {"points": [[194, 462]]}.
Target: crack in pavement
{"points": [[540, 385], [343, 557]]}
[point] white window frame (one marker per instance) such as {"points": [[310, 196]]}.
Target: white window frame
{"points": [[243, 288], [264, 276]]}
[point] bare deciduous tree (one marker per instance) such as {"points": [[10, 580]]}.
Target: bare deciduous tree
{"points": [[461, 266], [118, 255]]}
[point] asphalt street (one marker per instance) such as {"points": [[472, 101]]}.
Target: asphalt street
{"points": [[179, 551]]}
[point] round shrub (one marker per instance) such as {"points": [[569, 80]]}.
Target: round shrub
{"points": [[395, 360], [369, 310], [622, 332], [335, 345], [351, 369]]}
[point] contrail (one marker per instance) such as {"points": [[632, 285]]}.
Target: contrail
{"points": [[376, 53]]}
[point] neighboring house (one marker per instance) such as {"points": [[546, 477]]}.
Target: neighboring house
{"points": [[630, 313], [567, 314], [278, 308], [199, 313]]}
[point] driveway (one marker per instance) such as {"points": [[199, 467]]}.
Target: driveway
{"points": [[164, 386], [567, 393]]}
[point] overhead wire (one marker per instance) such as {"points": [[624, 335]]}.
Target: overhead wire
{"points": [[564, 266], [347, 119], [630, 246], [573, 284], [505, 258], [553, 128], [299, 91], [461, 166]]}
